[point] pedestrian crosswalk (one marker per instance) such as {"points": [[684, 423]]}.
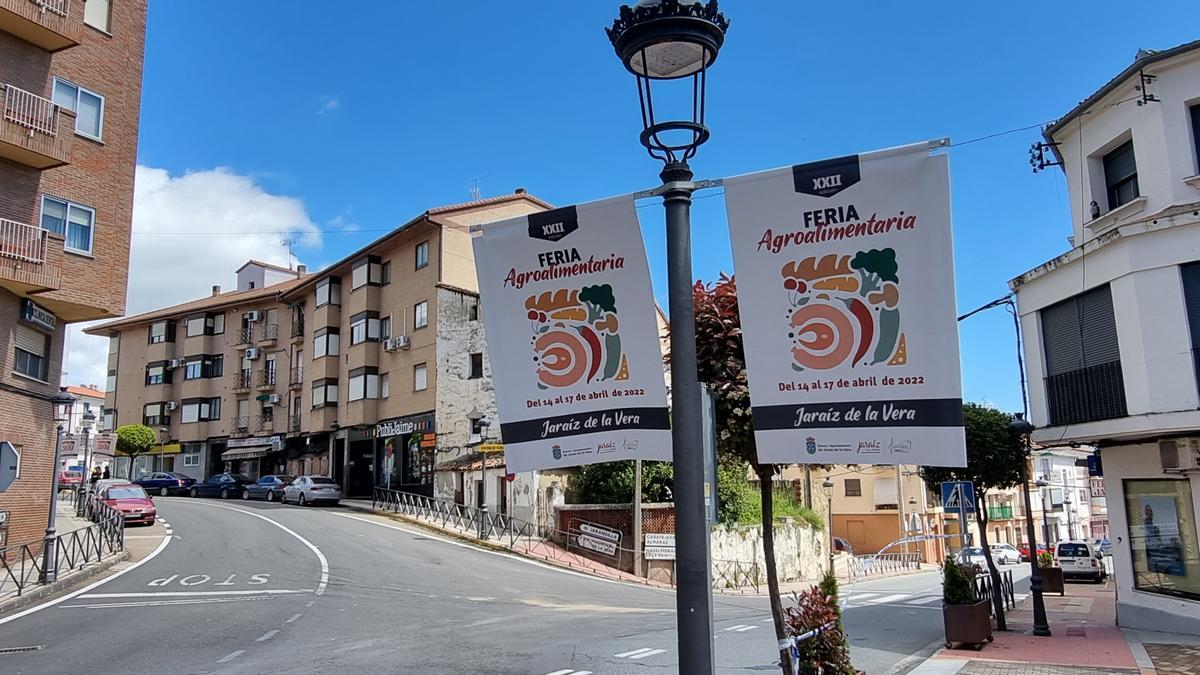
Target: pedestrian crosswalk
{"points": [[854, 600]]}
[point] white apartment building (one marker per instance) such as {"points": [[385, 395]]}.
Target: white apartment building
{"points": [[1112, 326], [1062, 507]]}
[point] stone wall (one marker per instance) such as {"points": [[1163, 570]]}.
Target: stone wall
{"points": [[800, 551]]}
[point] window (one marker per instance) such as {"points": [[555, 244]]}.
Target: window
{"points": [[324, 392], [158, 373], [364, 383], [364, 326], [195, 326], [422, 254], [1084, 381], [421, 314], [87, 105], [420, 377], [155, 414], [385, 272], [1190, 275], [367, 270], [108, 420], [329, 292], [473, 309], [250, 286], [476, 366], [73, 221], [385, 386], [1162, 536], [191, 459], [853, 487], [162, 331], [1196, 133], [476, 431], [385, 328], [216, 366], [325, 342], [114, 345], [216, 324], [1120, 175], [96, 13], [31, 350], [194, 368], [200, 410], [111, 382]]}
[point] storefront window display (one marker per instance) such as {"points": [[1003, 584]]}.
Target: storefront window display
{"points": [[406, 452], [1162, 537]]}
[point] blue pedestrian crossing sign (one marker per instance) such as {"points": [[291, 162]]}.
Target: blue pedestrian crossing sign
{"points": [[958, 496]]}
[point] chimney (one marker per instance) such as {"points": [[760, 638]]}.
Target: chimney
{"points": [[301, 270], [520, 191], [216, 290]]}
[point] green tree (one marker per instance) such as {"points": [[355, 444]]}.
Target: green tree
{"points": [[134, 440], [994, 459], [612, 483]]}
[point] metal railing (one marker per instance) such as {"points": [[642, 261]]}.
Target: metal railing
{"points": [[270, 331], [265, 422], [241, 424], [529, 538], [243, 379], [266, 378], [981, 589], [23, 565], [59, 7], [297, 327], [294, 425], [39, 115], [296, 376], [243, 336], [22, 242], [882, 564]]}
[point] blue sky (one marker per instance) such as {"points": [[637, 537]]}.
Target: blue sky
{"points": [[368, 113]]}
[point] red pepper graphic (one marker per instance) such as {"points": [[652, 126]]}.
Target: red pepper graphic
{"points": [[866, 328]]}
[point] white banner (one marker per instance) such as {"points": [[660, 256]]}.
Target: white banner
{"points": [[845, 275], [572, 337]]}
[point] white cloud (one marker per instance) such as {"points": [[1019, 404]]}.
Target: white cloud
{"points": [[328, 103], [190, 232]]}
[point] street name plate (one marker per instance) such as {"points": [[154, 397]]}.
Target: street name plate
{"points": [[654, 539], [597, 545], [660, 553], [600, 531]]}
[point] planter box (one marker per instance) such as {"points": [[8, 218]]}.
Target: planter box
{"points": [[967, 624], [1052, 580]]}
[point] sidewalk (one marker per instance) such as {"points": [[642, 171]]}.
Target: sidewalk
{"points": [[1085, 640]]}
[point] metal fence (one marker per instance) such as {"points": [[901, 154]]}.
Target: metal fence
{"points": [[30, 111], [982, 589], [521, 536], [22, 242], [23, 566], [882, 564]]}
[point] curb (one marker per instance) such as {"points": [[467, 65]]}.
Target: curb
{"points": [[62, 584]]}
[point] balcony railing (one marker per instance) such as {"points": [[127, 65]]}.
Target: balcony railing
{"points": [[266, 378], [294, 425], [242, 380], [243, 336], [1087, 395], [1000, 513], [37, 114], [59, 7], [241, 424], [296, 377], [298, 327], [265, 422], [21, 241], [270, 331]]}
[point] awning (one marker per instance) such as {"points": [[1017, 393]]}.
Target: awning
{"points": [[248, 452]]}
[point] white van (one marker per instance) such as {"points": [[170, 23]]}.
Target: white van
{"points": [[1079, 559]]}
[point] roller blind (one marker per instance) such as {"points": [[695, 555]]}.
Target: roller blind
{"points": [[1119, 164], [885, 491], [30, 340]]}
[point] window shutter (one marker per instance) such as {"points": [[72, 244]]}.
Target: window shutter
{"points": [[1191, 287], [1060, 336], [885, 491], [30, 340], [1099, 327], [65, 94], [1196, 130], [1119, 164], [88, 116]]}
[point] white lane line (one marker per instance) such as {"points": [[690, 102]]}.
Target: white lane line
{"points": [[85, 589], [564, 671], [320, 556], [739, 627], [888, 598], [926, 600], [768, 620], [652, 652], [159, 603], [743, 629], [185, 594], [631, 653], [295, 616], [231, 656], [267, 635]]}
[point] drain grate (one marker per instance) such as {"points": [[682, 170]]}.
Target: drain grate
{"points": [[18, 650]]}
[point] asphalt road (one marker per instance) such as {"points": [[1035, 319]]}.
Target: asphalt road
{"points": [[257, 587]]}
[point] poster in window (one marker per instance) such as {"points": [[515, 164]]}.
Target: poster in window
{"points": [[845, 277], [1154, 530]]}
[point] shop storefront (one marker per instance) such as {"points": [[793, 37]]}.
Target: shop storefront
{"points": [[404, 454], [249, 456]]}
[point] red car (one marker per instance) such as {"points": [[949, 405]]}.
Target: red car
{"points": [[70, 479], [1024, 551], [132, 501]]}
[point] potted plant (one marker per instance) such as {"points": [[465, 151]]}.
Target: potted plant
{"points": [[967, 621], [1052, 576]]}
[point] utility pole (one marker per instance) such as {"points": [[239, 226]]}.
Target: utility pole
{"points": [[637, 517], [900, 505]]}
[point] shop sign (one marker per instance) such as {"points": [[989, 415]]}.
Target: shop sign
{"points": [[36, 315], [403, 426], [251, 442]]}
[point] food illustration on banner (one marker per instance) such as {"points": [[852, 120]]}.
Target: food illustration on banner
{"points": [[575, 336]]}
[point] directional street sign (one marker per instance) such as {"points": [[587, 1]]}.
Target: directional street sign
{"points": [[958, 496]]}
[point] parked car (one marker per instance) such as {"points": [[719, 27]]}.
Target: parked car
{"points": [[972, 555], [1104, 546], [307, 490], [132, 501], [269, 488], [1024, 551], [1080, 559], [89, 507], [69, 480], [223, 485], [165, 482], [1005, 554], [840, 545]]}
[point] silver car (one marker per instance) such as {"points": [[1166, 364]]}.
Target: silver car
{"points": [[307, 490], [1005, 554]]}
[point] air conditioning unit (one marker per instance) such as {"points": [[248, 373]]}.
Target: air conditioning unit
{"points": [[389, 345], [172, 405], [401, 342], [253, 315], [273, 399], [252, 353], [1179, 454], [175, 363]]}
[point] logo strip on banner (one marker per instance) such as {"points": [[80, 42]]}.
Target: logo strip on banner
{"points": [[572, 337], [845, 271]]}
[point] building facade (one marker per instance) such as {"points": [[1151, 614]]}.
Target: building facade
{"points": [[71, 74], [1112, 326]]}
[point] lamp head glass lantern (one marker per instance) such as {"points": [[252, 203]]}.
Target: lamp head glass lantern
{"points": [[62, 402], [1020, 426], [660, 40]]}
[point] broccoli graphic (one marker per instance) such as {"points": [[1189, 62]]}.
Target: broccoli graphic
{"points": [[875, 267], [599, 299]]}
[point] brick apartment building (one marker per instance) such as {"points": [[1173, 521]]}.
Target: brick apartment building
{"points": [[372, 371], [71, 79]]}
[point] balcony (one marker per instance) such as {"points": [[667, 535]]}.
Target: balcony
{"points": [[264, 422], [266, 379], [296, 378], [30, 129], [22, 242], [294, 425], [48, 24], [1087, 394], [243, 336], [23, 258], [243, 381], [298, 327], [1000, 513], [269, 332], [241, 425]]}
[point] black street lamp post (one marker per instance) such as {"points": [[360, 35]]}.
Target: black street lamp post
{"points": [[661, 41], [1046, 512], [62, 402], [827, 484], [1041, 626]]}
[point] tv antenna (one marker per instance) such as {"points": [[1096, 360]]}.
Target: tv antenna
{"points": [[290, 245], [473, 188]]}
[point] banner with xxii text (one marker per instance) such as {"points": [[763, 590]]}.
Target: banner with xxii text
{"points": [[846, 277], [572, 337]]}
